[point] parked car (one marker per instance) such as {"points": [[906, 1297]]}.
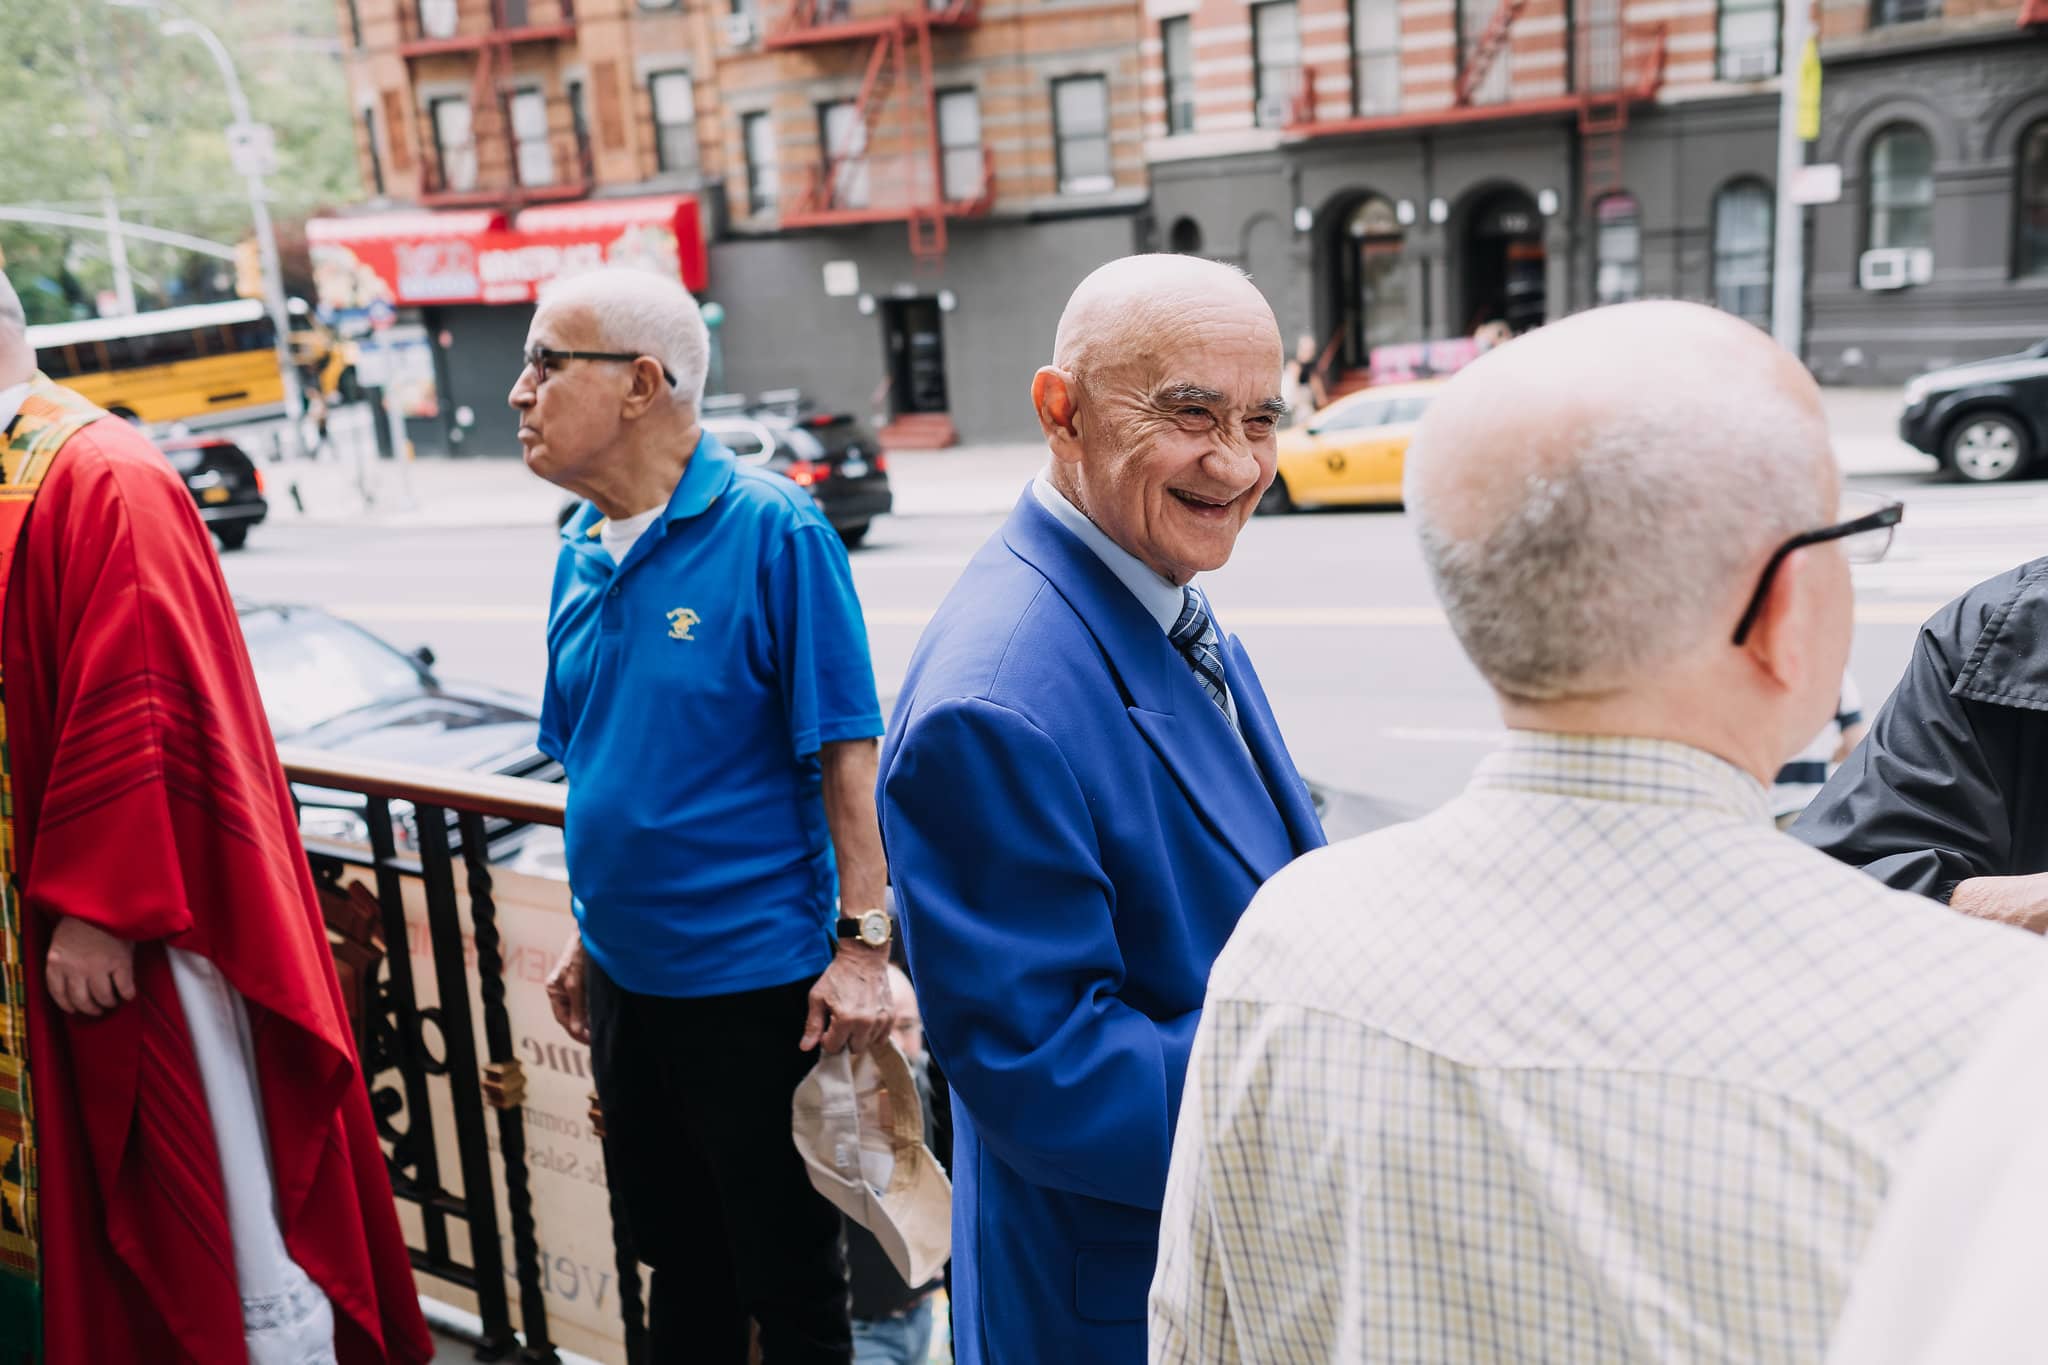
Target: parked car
{"points": [[223, 481], [1987, 421], [328, 684], [1352, 452], [836, 458]]}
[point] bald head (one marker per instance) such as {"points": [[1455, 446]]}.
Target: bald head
{"points": [[17, 360], [1592, 498], [1131, 308]]}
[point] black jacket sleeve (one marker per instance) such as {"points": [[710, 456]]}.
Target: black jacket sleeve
{"points": [[1940, 790]]}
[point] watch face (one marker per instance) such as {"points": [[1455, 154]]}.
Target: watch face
{"points": [[874, 928]]}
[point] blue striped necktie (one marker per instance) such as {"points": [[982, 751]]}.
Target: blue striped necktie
{"points": [[1194, 635]]}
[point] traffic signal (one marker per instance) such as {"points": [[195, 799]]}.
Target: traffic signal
{"points": [[248, 269]]}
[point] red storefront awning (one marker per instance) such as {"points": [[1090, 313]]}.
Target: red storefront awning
{"points": [[400, 260]]}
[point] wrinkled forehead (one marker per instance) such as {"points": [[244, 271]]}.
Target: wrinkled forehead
{"points": [[1242, 371], [563, 326]]}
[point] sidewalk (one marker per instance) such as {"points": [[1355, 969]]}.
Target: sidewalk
{"points": [[346, 489]]}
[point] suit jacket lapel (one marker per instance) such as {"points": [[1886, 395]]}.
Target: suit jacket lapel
{"points": [[1262, 734], [1187, 730]]}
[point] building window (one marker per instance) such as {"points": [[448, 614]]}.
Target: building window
{"points": [[579, 121], [659, 4], [532, 153], [757, 140], [963, 170], [1749, 39], [1742, 251], [452, 141], [1884, 12], [1177, 39], [2033, 200], [1901, 181], [1497, 81], [844, 136], [1080, 126], [1376, 56], [1617, 249], [376, 159], [675, 122], [1276, 61]]}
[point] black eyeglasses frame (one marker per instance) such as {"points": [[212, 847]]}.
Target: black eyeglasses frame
{"points": [[538, 358], [1888, 515]]}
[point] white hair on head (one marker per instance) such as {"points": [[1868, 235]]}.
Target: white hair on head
{"points": [[1583, 573], [644, 313], [13, 318]]}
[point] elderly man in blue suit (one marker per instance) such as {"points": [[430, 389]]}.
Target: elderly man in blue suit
{"points": [[1082, 788]]}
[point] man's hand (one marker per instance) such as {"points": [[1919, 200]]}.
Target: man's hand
{"points": [[850, 1005], [565, 990], [88, 970]]}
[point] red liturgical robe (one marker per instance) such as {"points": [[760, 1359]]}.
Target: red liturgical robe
{"points": [[151, 804]]}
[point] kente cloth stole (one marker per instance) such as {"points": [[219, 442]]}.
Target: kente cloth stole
{"points": [[50, 416]]}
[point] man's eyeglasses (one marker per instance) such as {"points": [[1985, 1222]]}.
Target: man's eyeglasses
{"points": [[1865, 538], [541, 359]]}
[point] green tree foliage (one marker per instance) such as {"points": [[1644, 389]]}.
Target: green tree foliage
{"points": [[94, 99]]}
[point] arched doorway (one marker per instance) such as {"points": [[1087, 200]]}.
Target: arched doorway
{"points": [[1368, 281], [1503, 262]]}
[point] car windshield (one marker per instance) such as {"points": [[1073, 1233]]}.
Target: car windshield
{"points": [[311, 668]]}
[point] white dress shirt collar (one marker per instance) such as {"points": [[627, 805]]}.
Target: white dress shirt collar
{"points": [[1156, 594], [11, 400]]}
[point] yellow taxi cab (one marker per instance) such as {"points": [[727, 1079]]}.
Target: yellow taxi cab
{"points": [[1351, 453]]}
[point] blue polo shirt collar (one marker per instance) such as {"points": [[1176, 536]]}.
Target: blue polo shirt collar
{"points": [[705, 478]]}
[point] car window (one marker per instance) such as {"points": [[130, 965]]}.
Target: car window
{"points": [[311, 667], [741, 441], [1409, 409], [1357, 417]]}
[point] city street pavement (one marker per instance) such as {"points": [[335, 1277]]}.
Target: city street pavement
{"points": [[1369, 685]]}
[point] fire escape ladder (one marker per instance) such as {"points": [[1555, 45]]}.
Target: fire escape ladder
{"points": [[1479, 61], [927, 206], [873, 97]]}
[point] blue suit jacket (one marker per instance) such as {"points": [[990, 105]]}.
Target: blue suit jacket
{"points": [[1072, 831]]}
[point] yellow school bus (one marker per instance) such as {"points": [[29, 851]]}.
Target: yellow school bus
{"points": [[174, 365]]}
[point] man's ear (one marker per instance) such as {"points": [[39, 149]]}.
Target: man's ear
{"points": [[1057, 398], [1782, 640], [646, 388]]}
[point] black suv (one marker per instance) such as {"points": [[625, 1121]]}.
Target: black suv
{"points": [[1987, 421], [223, 481], [836, 458]]}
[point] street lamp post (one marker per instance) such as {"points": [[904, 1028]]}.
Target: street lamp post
{"points": [[1788, 265], [259, 206]]}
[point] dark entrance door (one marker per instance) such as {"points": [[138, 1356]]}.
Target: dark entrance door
{"points": [[911, 332], [1369, 273], [1504, 262]]}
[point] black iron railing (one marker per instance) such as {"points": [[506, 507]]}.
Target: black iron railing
{"points": [[451, 817]]}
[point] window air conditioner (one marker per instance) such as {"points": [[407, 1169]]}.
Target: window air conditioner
{"points": [[739, 29], [1749, 64], [1274, 111], [1895, 267]]}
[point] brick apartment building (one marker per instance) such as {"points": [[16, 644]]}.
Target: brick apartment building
{"points": [[1395, 170], [890, 199]]}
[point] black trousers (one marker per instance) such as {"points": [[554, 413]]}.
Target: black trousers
{"points": [[696, 1095]]}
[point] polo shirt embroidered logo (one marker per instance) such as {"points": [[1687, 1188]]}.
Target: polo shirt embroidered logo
{"points": [[680, 622]]}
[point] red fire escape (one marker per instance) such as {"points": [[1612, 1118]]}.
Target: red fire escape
{"points": [[1619, 65], [893, 127], [529, 164]]}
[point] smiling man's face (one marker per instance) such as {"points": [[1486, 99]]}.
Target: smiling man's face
{"points": [[1178, 442]]}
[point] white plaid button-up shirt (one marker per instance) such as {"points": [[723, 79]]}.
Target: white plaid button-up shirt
{"points": [[1592, 1064]]}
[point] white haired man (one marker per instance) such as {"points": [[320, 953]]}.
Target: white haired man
{"points": [[710, 694], [1593, 1063]]}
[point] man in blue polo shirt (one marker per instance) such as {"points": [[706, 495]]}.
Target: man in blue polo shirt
{"points": [[710, 694]]}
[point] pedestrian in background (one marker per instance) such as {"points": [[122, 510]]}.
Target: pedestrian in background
{"points": [[1303, 388], [1593, 1063], [710, 696], [1945, 797], [1082, 787]]}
